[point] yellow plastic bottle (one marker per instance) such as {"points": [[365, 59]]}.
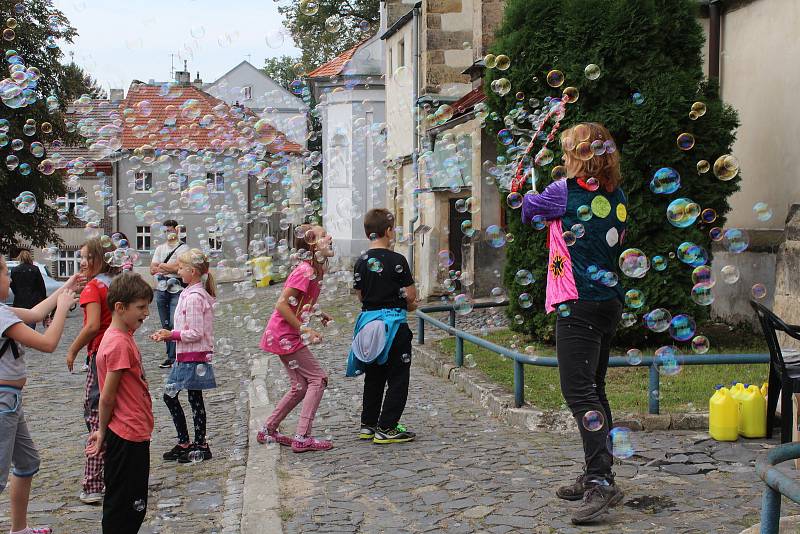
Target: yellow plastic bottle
{"points": [[723, 416], [753, 419], [764, 389], [737, 392]]}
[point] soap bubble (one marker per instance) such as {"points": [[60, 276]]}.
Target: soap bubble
{"points": [[495, 236], [634, 299], [668, 362], [523, 277], [569, 238], [505, 136], [171, 390], [570, 95], [592, 183], [699, 108], [26, 202], [293, 364], [514, 200], [592, 71], [584, 212], [726, 167], [578, 230], [682, 212], [715, 234], [139, 505], [502, 62], [637, 98], [490, 60], [685, 141], [628, 319], [657, 320], [659, 263], [555, 78], [735, 240], [200, 369], [703, 275], [374, 265], [730, 274], [761, 209], [309, 8], [593, 421], [666, 180], [446, 258], [462, 304], [195, 456], [702, 294], [682, 327], [634, 263], [708, 215], [700, 344], [466, 228], [525, 300], [620, 443], [703, 166], [633, 356], [498, 294], [469, 361], [564, 310], [759, 291], [501, 86]]}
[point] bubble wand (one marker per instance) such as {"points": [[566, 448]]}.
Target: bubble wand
{"points": [[520, 177]]}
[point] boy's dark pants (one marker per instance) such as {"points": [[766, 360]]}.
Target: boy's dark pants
{"points": [[583, 344], [395, 372], [127, 471]]}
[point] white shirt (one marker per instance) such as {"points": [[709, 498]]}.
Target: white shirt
{"points": [[163, 250]]}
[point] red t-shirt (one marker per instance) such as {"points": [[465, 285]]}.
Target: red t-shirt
{"points": [[96, 291], [133, 413]]}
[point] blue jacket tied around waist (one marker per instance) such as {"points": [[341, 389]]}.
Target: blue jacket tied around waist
{"points": [[392, 318]]}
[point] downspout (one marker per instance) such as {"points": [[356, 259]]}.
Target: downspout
{"points": [[415, 136], [715, 24]]}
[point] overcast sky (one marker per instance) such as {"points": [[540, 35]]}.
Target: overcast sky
{"points": [[122, 41]]}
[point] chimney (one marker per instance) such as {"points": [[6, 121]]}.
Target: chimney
{"points": [[116, 95], [383, 14], [183, 76], [198, 82]]}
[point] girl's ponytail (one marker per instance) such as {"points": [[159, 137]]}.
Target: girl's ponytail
{"points": [[211, 287]]}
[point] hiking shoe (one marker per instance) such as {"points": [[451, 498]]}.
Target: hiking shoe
{"points": [[176, 452], [575, 491], [366, 432], [596, 502], [311, 444], [195, 454], [85, 368], [91, 498], [166, 364], [398, 434], [273, 436]]}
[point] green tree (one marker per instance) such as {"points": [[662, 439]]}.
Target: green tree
{"points": [[323, 29], [650, 47], [281, 69], [77, 82], [39, 28]]}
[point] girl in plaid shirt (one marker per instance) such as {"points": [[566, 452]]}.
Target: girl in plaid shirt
{"points": [[192, 370]]}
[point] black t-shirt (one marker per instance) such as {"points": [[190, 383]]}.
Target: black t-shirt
{"points": [[381, 274]]}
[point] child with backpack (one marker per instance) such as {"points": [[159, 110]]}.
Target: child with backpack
{"points": [[17, 451], [96, 318], [381, 346], [287, 335], [194, 334]]}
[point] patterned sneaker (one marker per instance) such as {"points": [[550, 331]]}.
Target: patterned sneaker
{"points": [[367, 432], [398, 434], [195, 454], [311, 444], [38, 530], [176, 452], [91, 498], [265, 436]]}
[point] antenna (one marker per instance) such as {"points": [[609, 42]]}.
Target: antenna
{"points": [[172, 66], [185, 68], [248, 56]]}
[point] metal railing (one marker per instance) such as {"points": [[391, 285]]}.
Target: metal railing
{"points": [[777, 484], [520, 360]]}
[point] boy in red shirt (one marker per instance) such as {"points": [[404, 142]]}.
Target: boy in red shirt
{"points": [[126, 411]]}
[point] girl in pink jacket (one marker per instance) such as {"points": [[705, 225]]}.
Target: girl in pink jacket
{"points": [[192, 370]]}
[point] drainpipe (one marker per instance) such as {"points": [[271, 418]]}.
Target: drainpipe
{"points": [[415, 138], [715, 24]]}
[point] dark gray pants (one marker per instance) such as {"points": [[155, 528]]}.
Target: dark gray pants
{"points": [[583, 344]]}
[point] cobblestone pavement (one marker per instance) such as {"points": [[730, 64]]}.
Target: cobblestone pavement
{"points": [[189, 498], [467, 472]]}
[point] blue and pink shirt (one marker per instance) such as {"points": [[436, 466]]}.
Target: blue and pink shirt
{"points": [[575, 271]]}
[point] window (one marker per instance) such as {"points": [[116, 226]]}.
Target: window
{"points": [[68, 263], [216, 182], [215, 240], [401, 53], [247, 92], [389, 64], [71, 201], [143, 238], [144, 182], [183, 181]]}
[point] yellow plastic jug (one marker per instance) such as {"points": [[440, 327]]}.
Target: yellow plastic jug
{"points": [[764, 389], [753, 417], [723, 416], [737, 392]]}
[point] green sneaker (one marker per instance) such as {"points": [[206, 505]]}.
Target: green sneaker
{"points": [[366, 432], [398, 434]]}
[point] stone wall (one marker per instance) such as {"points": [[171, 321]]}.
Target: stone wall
{"points": [[447, 40], [487, 17], [787, 279]]}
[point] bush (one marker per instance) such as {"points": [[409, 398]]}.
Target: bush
{"points": [[651, 47]]}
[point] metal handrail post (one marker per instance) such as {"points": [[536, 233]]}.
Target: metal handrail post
{"points": [[653, 394], [452, 318], [420, 331], [519, 383], [459, 351], [770, 511]]}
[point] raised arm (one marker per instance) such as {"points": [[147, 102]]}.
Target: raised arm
{"points": [[549, 204]]}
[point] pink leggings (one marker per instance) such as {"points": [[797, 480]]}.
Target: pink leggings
{"points": [[308, 383]]}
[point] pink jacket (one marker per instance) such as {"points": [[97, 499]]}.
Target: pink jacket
{"points": [[194, 322]]}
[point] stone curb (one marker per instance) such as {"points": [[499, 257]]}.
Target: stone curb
{"points": [[261, 493], [500, 403], [787, 525]]}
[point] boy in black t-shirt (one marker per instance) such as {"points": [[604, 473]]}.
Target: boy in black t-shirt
{"points": [[385, 286]]}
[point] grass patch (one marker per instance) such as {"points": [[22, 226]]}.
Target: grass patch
{"points": [[627, 388], [286, 514]]}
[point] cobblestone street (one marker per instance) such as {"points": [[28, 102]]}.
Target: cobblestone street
{"points": [[465, 473]]}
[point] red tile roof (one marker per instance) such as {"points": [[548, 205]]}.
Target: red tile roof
{"points": [[170, 116], [335, 66]]}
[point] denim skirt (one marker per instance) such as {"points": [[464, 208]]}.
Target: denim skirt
{"points": [[192, 375]]}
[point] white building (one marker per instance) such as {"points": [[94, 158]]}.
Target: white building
{"points": [[351, 97]]}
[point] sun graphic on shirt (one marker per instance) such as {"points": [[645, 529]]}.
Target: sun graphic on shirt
{"points": [[557, 265]]}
